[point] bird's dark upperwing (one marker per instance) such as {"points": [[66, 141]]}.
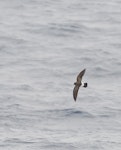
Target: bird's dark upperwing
{"points": [[75, 91], [79, 77]]}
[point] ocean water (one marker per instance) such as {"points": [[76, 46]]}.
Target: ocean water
{"points": [[44, 44]]}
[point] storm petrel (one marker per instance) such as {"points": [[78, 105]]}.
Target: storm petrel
{"points": [[79, 83]]}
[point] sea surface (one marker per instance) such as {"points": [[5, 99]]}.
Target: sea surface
{"points": [[44, 44]]}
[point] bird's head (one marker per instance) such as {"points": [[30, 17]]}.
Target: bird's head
{"points": [[74, 83]]}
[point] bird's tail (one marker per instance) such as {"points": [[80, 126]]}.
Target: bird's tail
{"points": [[85, 85]]}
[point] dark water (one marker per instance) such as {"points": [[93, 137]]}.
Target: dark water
{"points": [[44, 44]]}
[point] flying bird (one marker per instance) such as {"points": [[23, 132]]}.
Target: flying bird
{"points": [[79, 83]]}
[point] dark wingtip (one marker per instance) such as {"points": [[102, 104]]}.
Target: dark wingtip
{"points": [[84, 70], [74, 98]]}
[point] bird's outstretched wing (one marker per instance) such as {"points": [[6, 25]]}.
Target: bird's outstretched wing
{"points": [[75, 91], [79, 77]]}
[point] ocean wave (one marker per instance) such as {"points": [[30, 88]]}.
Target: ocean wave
{"points": [[63, 113]]}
